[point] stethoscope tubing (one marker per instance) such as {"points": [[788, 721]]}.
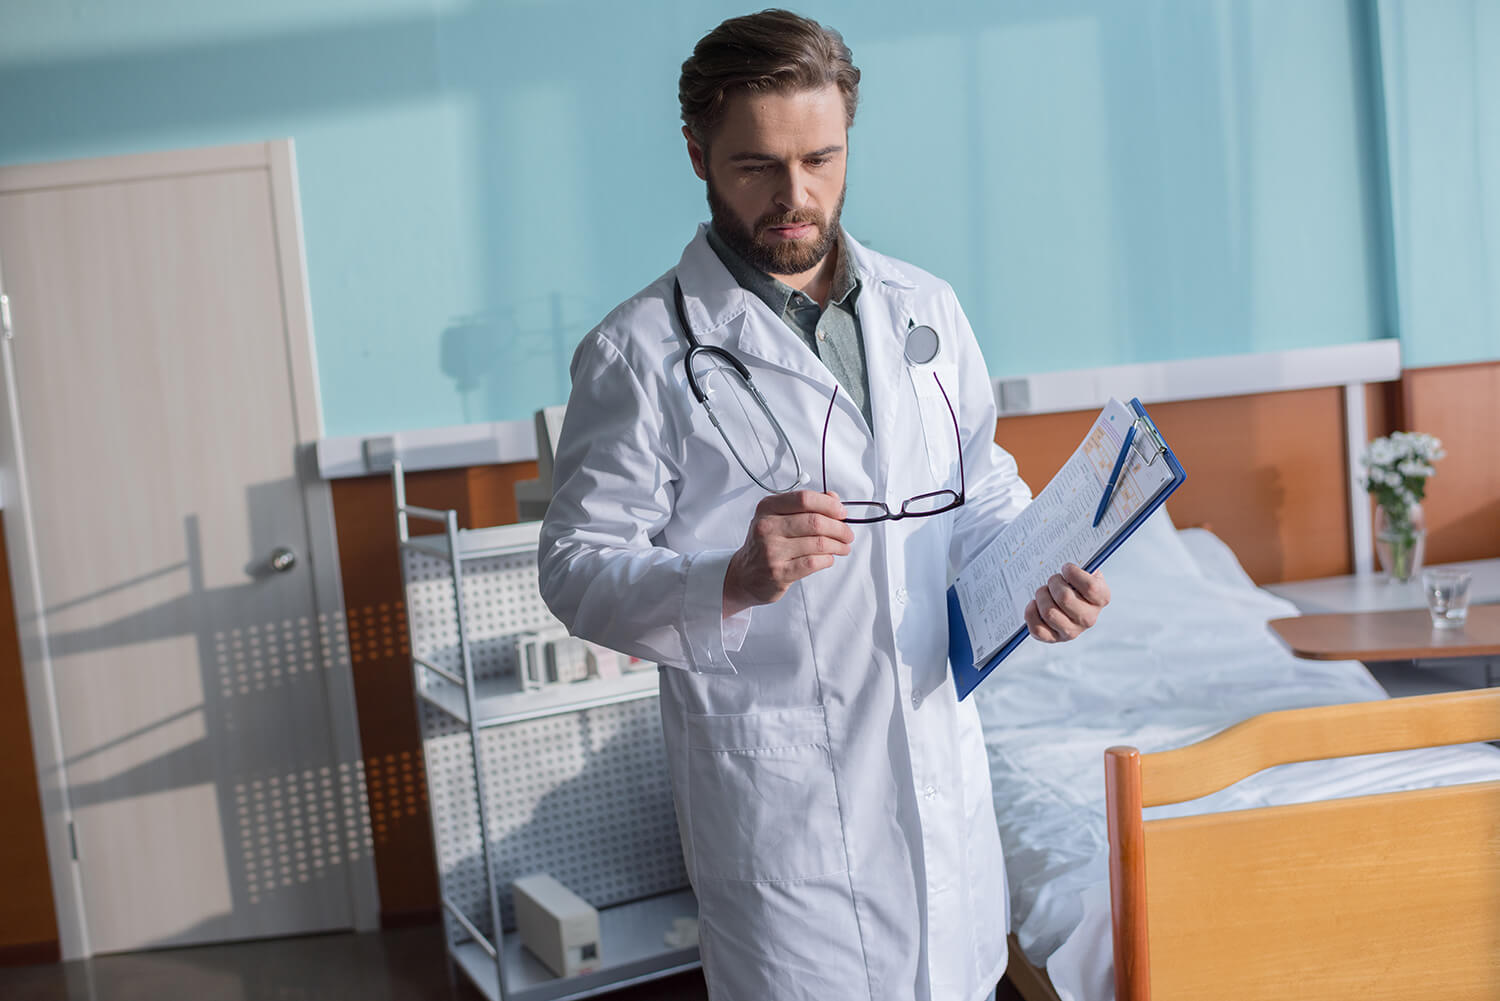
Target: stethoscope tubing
{"points": [[696, 348]]}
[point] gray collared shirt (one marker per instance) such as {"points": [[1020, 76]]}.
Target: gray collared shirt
{"points": [[833, 333]]}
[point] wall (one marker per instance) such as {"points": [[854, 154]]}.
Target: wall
{"points": [[481, 182], [1461, 405], [1441, 76]]}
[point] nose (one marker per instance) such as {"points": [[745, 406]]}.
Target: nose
{"points": [[794, 193]]}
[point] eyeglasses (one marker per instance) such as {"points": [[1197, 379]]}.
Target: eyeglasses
{"points": [[920, 506]]}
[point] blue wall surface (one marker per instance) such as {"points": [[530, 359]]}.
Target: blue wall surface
{"points": [[1102, 181]]}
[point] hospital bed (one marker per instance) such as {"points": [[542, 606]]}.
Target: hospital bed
{"points": [[1352, 875]]}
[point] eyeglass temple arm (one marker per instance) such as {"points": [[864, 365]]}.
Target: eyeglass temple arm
{"points": [[957, 436], [827, 418]]}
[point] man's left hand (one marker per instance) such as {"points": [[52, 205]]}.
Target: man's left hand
{"points": [[1068, 604]]}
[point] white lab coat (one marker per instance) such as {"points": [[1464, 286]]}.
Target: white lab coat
{"points": [[833, 795]]}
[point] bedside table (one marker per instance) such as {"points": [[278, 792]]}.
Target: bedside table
{"points": [[1378, 593], [1372, 619]]}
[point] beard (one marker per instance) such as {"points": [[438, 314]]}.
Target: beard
{"points": [[783, 257]]}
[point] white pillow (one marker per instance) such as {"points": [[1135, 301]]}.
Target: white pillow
{"points": [[1155, 550], [1215, 559]]}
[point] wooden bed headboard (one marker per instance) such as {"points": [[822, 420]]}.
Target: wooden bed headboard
{"points": [[1269, 468], [1267, 472], [1388, 896]]}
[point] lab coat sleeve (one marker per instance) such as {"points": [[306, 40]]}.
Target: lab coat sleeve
{"points": [[994, 490], [599, 570]]}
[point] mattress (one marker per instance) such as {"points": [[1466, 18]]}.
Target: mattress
{"points": [[1181, 652]]}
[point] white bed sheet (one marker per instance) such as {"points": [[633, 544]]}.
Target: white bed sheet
{"points": [[1182, 652]]}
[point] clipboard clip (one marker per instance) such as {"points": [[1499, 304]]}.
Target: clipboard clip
{"points": [[1146, 435]]}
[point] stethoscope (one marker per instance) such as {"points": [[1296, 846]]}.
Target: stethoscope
{"points": [[921, 347]]}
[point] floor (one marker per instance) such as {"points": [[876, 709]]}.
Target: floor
{"points": [[400, 965]]}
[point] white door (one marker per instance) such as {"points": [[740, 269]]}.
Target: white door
{"points": [[155, 414]]}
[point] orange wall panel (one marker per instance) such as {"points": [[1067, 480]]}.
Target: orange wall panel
{"points": [[365, 513], [28, 922], [1264, 472], [1461, 405]]}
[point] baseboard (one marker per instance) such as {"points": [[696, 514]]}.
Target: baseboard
{"points": [[390, 920], [30, 954]]}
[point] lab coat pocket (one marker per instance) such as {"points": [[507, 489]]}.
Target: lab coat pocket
{"points": [[763, 806], [939, 425]]}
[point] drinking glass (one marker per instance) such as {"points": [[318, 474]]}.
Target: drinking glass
{"points": [[1447, 594]]}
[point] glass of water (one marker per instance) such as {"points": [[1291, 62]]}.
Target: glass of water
{"points": [[1447, 597]]}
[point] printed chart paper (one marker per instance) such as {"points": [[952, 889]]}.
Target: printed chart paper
{"points": [[1057, 528]]}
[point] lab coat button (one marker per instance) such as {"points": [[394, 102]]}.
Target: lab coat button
{"points": [[901, 595], [916, 700], [822, 334], [930, 792]]}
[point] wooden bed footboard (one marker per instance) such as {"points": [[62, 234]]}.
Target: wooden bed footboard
{"points": [[1384, 896]]}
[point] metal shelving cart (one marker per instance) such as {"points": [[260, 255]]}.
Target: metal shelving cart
{"points": [[570, 780]]}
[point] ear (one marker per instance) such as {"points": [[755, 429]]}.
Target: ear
{"points": [[697, 154]]}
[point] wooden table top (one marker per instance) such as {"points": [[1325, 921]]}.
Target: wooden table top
{"points": [[1398, 635]]}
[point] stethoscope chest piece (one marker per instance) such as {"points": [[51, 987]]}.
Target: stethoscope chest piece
{"points": [[921, 345]]}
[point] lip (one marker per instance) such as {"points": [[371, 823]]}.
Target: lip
{"points": [[796, 232]]}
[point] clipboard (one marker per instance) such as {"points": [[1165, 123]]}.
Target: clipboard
{"points": [[1151, 447]]}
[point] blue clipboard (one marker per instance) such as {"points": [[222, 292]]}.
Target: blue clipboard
{"points": [[966, 674]]}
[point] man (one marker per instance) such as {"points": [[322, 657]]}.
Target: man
{"points": [[833, 795]]}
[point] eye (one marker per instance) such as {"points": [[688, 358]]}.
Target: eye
{"points": [[817, 161], [753, 168]]}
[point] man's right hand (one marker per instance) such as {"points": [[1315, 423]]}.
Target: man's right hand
{"points": [[791, 536]]}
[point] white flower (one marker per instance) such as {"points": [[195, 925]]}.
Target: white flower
{"points": [[1396, 464], [1414, 468]]}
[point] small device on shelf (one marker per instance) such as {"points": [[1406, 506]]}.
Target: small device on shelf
{"points": [[556, 925]]}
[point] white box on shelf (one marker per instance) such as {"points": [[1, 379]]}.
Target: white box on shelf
{"points": [[568, 660], [549, 656], [556, 925]]}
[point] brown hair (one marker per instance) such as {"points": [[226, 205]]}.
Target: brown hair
{"points": [[774, 51]]}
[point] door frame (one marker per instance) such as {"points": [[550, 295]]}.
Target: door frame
{"points": [[278, 159]]}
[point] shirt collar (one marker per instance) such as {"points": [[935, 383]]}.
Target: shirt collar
{"points": [[778, 294]]}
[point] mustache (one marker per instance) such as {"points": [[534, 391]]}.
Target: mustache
{"points": [[798, 218]]}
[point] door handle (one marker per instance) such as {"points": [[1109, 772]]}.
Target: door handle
{"points": [[283, 559]]}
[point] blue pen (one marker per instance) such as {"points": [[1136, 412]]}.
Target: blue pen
{"points": [[1114, 476]]}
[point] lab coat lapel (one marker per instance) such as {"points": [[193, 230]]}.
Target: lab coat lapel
{"points": [[725, 314], [885, 314]]}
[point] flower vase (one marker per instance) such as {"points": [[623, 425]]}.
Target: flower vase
{"points": [[1400, 538]]}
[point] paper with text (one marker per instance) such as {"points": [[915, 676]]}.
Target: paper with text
{"points": [[1057, 528]]}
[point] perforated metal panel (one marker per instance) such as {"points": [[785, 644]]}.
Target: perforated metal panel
{"points": [[582, 795], [500, 600]]}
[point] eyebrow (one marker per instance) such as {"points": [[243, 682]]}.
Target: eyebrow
{"points": [[768, 158]]}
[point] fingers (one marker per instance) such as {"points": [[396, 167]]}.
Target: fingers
{"points": [[802, 526], [791, 536], [802, 513], [800, 501], [788, 548], [1090, 586], [1070, 602], [1050, 614], [1039, 629]]}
